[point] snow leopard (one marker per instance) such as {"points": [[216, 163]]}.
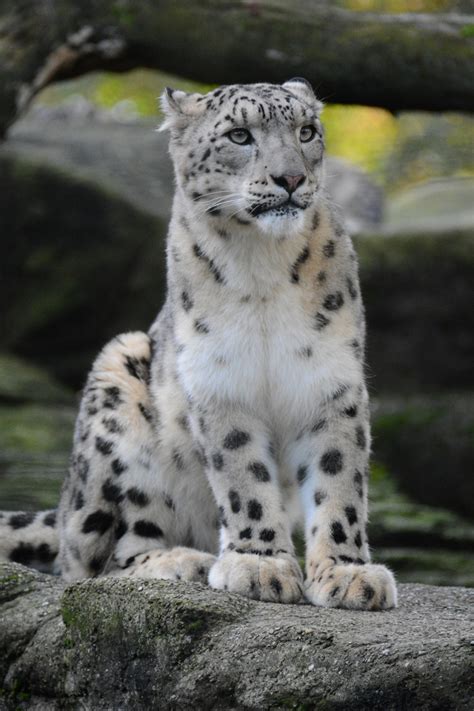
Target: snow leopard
{"points": [[242, 415]]}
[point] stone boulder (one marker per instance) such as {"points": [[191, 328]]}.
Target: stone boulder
{"points": [[418, 289], [427, 443], [438, 205], [122, 644], [80, 264], [360, 199]]}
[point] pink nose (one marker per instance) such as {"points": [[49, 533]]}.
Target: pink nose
{"points": [[289, 182]]}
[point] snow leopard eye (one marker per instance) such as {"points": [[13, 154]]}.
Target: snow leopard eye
{"points": [[307, 133], [240, 136]]}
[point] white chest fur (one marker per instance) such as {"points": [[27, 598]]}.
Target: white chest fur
{"points": [[265, 354]]}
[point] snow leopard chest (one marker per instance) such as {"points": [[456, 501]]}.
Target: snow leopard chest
{"points": [[267, 354]]}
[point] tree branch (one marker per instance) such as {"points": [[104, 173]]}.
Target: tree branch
{"points": [[399, 62]]}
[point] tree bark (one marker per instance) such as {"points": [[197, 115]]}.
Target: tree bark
{"points": [[131, 644], [396, 61]]}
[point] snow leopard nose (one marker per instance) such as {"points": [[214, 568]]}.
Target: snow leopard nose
{"points": [[289, 182]]}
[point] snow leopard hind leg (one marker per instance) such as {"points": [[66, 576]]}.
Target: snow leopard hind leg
{"points": [[133, 465]]}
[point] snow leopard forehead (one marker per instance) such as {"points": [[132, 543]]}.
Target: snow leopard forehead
{"points": [[292, 103], [259, 104]]}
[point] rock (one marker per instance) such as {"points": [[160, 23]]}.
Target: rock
{"points": [[361, 200], [21, 381], [131, 159], [36, 420], [438, 566], [80, 264], [418, 290], [103, 644], [441, 205], [427, 443], [421, 543], [35, 445]]}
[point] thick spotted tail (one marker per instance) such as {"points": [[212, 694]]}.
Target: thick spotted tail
{"points": [[30, 538]]}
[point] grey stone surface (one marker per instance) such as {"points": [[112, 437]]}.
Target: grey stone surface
{"points": [[118, 644], [360, 199], [437, 205], [80, 263], [427, 443]]}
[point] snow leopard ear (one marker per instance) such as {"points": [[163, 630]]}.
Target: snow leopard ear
{"points": [[303, 90], [180, 108]]}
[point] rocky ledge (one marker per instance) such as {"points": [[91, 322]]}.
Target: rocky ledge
{"points": [[121, 644]]}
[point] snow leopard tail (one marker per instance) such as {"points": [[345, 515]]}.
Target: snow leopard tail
{"points": [[30, 538]]}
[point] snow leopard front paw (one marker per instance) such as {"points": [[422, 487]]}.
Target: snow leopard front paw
{"points": [[354, 587], [270, 579], [178, 563]]}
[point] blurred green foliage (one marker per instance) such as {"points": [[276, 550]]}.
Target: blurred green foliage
{"points": [[141, 87], [405, 5]]}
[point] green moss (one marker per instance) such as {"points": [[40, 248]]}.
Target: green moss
{"points": [[9, 578], [411, 417], [467, 31], [16, 694], [12, 578], [69, 618], [141, 87], [402, 251], [35, 429], [123, 13], [35, 444], [196, 626], [431, 567], [104, 612], [21, 381], [390, 508], [421, 543]]}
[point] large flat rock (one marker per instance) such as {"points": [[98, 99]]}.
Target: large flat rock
{"points": [[121, 644]]}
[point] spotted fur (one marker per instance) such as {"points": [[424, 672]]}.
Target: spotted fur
{"points": [[243, 413]]}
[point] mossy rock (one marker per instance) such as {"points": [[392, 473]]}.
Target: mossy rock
{"points": [[36, 423], [420, 543], [22, 382], [429, 566], [131, 644], [76, 269], [436, 205], [427, 443], [418, 289], [35, 444]]}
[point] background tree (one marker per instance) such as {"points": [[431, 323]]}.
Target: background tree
{"points": [[403, 61]]}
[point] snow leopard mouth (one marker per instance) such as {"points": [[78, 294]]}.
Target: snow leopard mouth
{"points": [[285, 207]]}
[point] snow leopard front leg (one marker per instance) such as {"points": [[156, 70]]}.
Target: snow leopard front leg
{"points": [[256, 551], [330, 458]]}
